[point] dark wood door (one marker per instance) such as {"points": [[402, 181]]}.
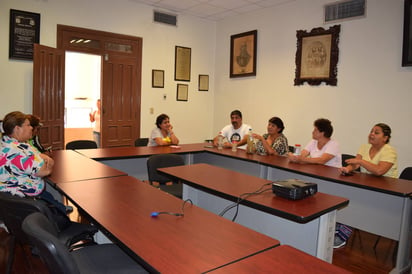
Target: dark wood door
{"points": [[120, 103], [48, 94]]}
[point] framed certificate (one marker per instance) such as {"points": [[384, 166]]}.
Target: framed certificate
{"points": [[182, 63], [203, 82], [182, 92], [158, 78]]}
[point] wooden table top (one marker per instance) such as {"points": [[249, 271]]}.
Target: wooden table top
{"points": [[282, 259], [383, 184], [197, 242], [136, 152], [71, 166], [230, 185]]}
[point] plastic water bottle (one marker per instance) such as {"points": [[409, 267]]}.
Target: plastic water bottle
{"points": [[297, 149], [250, 142], [220, 141]]}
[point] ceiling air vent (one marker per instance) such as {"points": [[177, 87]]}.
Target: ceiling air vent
{"points": [[165, 18], [345, 10]]}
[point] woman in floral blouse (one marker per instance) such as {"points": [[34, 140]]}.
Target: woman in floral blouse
{"points": [[273, 142]]}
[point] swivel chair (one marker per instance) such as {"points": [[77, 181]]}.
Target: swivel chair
{"points": [[165, 160], [81, 144], [104, 258], [14, 209], [141, 142], [346, 157]]}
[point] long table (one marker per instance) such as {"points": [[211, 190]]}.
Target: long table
{"points": [[307, 224], [197, 242], [379, 205]]}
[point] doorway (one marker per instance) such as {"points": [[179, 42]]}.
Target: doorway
{"points": [[82, 90]]}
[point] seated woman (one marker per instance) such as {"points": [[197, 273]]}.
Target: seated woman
{"points": [[22, 167], [273, 142], [322, 149], [163, 134], [377, 157]]}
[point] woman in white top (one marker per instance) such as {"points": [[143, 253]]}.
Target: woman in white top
{"points": [[322, 149], [95, 117], [163, 134]]}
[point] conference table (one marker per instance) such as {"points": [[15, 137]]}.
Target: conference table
{"points": [[307, 224], [197, 242], [379, 205], [282, 259]]}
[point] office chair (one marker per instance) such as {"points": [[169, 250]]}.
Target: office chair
{"points": [[346, 157], [165, 160], [104, 258], [141, 142], [81, 144], [291, 149], [406, 174], [14, 209]]}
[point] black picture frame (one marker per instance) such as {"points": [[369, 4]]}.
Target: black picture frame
{"points": [[158, 78], [203, 82], [407, 35], [243, 54], [317, 56], [182, 92], [183, 57], [24, 32]]}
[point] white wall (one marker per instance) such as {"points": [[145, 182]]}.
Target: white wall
{"points": [[191, 120], [372, 85]]}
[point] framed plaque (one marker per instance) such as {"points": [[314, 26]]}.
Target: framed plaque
{"points": [[158, 78], [182, 63], [243, 54], [182, 92], [203, 82], [24, 32]]}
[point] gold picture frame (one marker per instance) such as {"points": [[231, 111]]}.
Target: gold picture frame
{"points": [[203, 82], [182, 92], [243, 54], [158, 78], [317, 56], [182, 63]]}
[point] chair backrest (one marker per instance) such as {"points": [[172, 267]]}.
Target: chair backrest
{"points": [[406, 173], [346, 157], [141, 142], [162, 160], [43, 235], [14, 209], [81, 144], [291, 149]]}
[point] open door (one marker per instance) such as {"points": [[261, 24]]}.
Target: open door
{"points": [[48, 94]]}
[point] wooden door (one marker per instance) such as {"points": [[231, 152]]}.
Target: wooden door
{"points": [[48, 94], [121, 79], [120, 103]]}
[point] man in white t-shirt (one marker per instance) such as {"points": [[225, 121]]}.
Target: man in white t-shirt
{"points": [[236, 132]]}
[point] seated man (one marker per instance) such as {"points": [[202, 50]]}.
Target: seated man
{"points": [[236, 132]]}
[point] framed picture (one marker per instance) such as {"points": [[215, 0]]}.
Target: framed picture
{"points": [[243, 54], [203, 82], [182, 63], [407, 35], [158, 78], [24, 32], [317, 56], [182, 92]]}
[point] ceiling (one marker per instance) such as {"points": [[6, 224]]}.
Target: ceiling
{"points": [[211, 9]]}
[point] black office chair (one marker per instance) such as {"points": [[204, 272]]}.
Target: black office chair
{"points": [[165, 160], [141, 142], [14, 209], [346, 157], [81, 144], [291, 149], [104, 258]]}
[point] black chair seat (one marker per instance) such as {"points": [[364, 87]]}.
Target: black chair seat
{"points": [[106, 258]]}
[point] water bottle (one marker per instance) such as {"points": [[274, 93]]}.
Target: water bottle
{"points": [[297, 149], [250, 143], [220, 141]]}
